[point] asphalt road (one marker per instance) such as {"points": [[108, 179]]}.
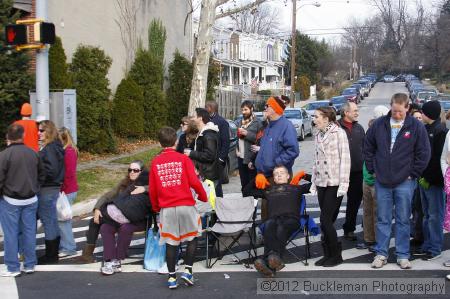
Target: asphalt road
{"points": [[68, 280]]}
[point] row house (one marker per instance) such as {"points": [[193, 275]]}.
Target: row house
{"points": [[249, 62]]}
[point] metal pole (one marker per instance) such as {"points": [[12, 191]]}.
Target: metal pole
{"points": [[293, 48], [42, 76]]}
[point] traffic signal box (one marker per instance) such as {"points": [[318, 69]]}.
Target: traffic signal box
{"points": [[17, 34]]}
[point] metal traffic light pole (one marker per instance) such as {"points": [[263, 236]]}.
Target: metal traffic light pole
{"points": [[42, 73]]}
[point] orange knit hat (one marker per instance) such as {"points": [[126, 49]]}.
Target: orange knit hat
{"points": [[26, 110], [278, 104]]}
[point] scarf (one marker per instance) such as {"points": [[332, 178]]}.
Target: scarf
{"points": [[327, 128], [246, 122]]}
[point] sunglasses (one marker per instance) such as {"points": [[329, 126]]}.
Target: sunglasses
{"points": [[41, 131], [134, 170]]}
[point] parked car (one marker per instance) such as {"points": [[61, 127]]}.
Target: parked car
{"points": [[400, 78], [311, 107], [231, 164], [301, 120], [445, 105], [366, 85], [442, 97], [388, 78], [360, 88], [338, 102], [352, 95], [422, 96]]}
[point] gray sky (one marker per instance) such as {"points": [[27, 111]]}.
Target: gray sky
{"points": [[332, 15]]}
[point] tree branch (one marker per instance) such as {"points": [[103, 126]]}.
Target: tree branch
{"points": [[236, 10]]}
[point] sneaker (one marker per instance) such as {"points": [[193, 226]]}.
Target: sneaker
{"points": [[419, 252], [429, 256], [7, 273], [404, 263], [379, 261], [172, 283], [448, 277], [117, 266], [361, 245], [29, 270], [65, 254], [107, 268], [262, 268], [447, 263], [188, 278]]}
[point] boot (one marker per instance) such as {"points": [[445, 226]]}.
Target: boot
{"points": [[275, 262], [87, 255], [326, 255], [336, 257], [51, 252]]}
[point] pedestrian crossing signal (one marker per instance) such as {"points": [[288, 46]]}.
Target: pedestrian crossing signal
{"points": [[16, 34], [44, 33]]}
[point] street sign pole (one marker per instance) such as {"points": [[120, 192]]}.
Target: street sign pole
{"points": [[42, 73]]}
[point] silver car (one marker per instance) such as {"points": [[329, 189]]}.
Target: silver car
{"points": [[301, 120]]}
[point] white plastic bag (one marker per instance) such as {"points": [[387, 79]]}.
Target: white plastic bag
{"points": [[63, 207]]}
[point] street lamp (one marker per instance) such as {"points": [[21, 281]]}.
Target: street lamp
{"points": [[293, 43]]}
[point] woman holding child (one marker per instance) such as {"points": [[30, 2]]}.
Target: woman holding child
{"points": [[330, 179]]}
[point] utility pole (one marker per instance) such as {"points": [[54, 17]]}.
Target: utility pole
{"points": [[293, 48], [42, 77]]}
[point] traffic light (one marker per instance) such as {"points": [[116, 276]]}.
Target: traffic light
{"points": [[44, 33], [16, 34]]}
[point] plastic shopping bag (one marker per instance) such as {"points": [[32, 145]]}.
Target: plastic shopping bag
{"points": [[63, 207], [155, 254]]}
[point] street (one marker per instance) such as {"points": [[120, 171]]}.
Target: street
{"points": [[68, 280]]}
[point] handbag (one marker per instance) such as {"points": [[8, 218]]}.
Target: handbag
{"points": [[63, 208], [155, 254]]}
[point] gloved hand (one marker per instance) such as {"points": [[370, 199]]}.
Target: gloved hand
{"points": [[297, 177], [313, 190], [341, 192], [424, 183], [261, 181]]}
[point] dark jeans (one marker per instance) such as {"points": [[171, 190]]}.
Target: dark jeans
{"points": [[245, 174], [417, 220], [354, 198], [218, 184], [276, 233], [329, 203]]}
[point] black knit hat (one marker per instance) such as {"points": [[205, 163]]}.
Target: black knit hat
{"points": [[432, 109]]}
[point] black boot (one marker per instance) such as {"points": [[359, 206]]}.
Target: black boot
{"points": [[335, 256], [51, 252], [326, 255]]}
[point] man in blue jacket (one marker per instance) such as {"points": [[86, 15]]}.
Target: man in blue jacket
{"points": [[279, 145], [396, 152], [224, 139]]}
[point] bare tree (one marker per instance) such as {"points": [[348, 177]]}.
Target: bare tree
{"points": [[202, 53], [127, 20], [263, 19]]}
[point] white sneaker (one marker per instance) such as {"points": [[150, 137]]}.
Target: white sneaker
{"points": [[404, 263], [107, 268], [29, 270], [379, 261], [7, 273], [448, 277], [117, 266]]}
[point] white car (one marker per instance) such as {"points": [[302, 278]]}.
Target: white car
{"points": [[301, 120]]}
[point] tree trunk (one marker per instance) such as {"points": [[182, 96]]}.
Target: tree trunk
{"points": [[202, 53]]}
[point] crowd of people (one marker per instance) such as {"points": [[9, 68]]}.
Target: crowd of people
{"points": [[397, 169]]}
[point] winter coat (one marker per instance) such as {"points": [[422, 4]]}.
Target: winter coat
{"points": [[250, 139], [279, 147], [52, 156], [436, 134], [410, 154], [355, 141], [224, 136], [331, 159], [70, 183], [205, 154], [134, 207], [21, 172]]}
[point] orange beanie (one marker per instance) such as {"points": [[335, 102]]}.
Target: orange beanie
{"points": [[26, 110]]}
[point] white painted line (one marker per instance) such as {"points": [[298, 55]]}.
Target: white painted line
{"points": [[8, 288]]}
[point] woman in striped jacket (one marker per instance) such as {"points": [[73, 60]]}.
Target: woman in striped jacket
{"points": [[330, 179]]}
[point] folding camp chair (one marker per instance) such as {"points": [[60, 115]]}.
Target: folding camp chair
{"points": [[306, 225], [236, 217]]}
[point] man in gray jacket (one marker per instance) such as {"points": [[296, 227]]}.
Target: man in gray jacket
{"points": [[21, 173], [247, 130]]}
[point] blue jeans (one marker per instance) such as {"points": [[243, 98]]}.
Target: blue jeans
{"points": [[67, 244], [16, 219], [400, 197], [47, 214], [433, 205]]}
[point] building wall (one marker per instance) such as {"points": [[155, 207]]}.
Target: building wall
{"points": [[93, 22]]}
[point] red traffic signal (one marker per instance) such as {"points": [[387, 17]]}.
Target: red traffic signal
{"points": [[16, 34]]}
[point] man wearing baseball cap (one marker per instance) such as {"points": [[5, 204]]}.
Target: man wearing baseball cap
{"points": [[30, 126], [431, 184], [279, 145]]}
